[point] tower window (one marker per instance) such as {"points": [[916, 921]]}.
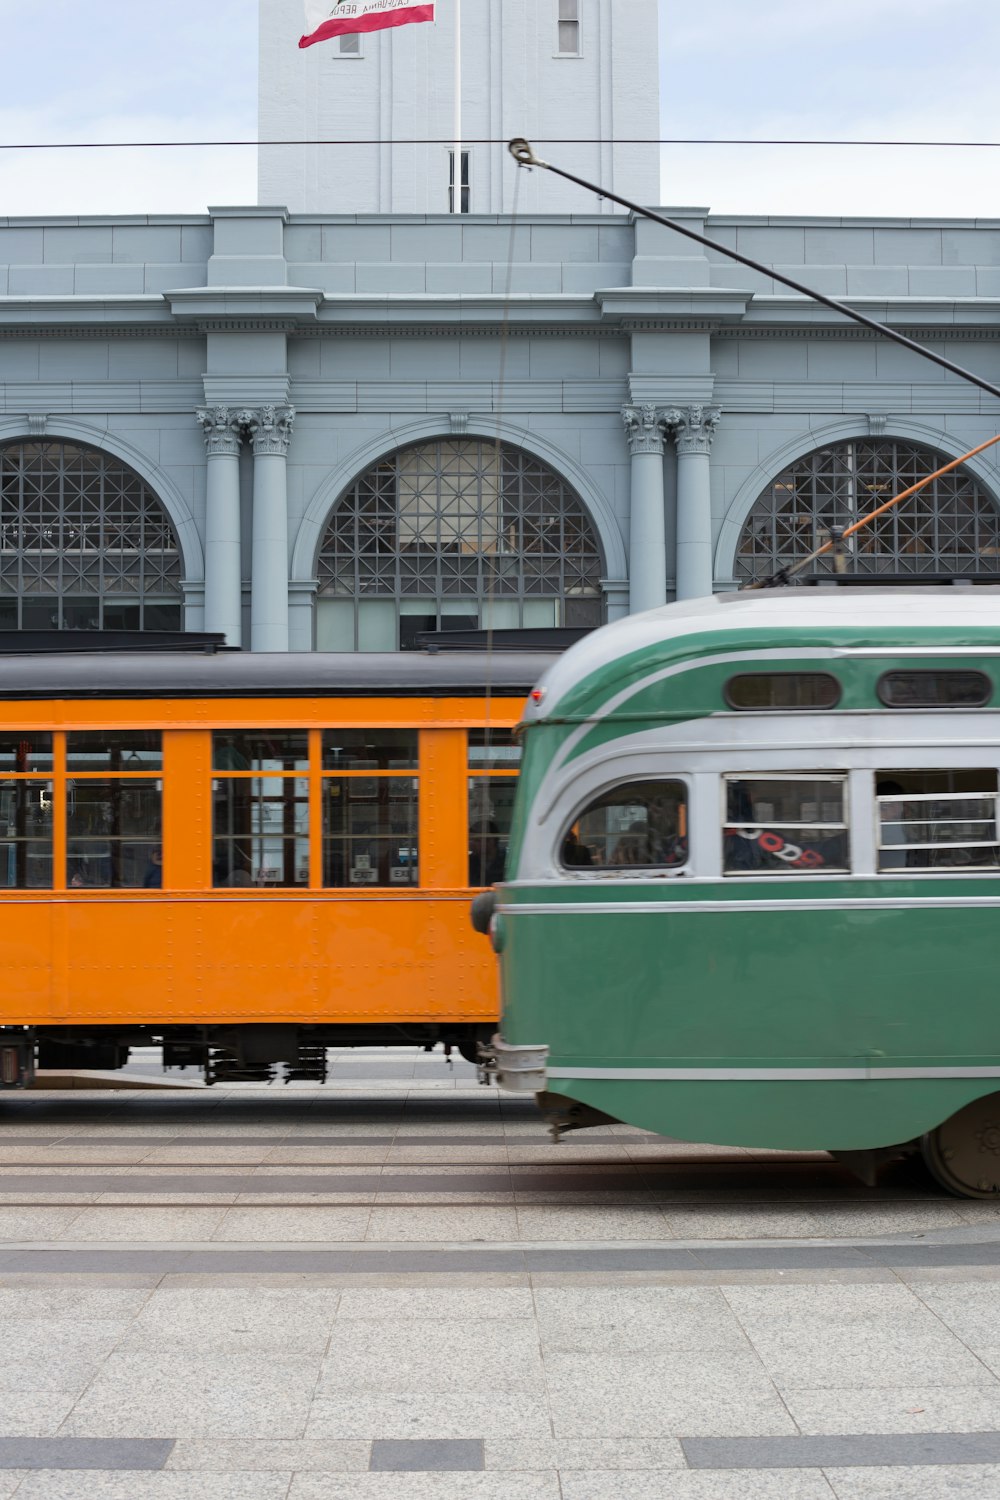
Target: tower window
{"points": [[350, 45], [462, 207], [569, 27]]}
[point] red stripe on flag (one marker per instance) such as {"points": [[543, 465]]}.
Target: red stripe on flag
{"points": [[377, 21]]}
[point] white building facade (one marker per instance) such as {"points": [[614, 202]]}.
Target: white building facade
{"points": [[334, 426], [574, 73]]}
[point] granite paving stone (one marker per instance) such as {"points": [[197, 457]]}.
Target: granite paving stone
{"points": [[177, 1391], [136, 1224], [639, 1319], [48, 1484], [638, 1222], [291, 1322], [667, 1394], [782, 1484], [897, 1408], [437, 1414], [479, 1222], [470, 1304], [831, 1306], [975, 1482], [458, 1486], [439, 1356], [34, 1223], [31, 1412], [889, 1355], [971, 1312], [104, 1305], [314, 1225]]}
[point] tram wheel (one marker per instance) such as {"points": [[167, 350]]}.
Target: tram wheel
{"points": [[964, 1153]]}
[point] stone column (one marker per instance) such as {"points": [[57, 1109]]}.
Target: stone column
{"points": [[647, 530], [269, 429], [692, 429], [223, 570]]}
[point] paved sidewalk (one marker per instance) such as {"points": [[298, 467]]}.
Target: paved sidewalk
{"points": [[387, 1294]]}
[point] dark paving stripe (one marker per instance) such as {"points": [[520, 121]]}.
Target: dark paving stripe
{"points": [[496, 1180], [280, 1142], [427, 1455], [84, 1453], [850, 1452], [784, 1181], [500, 1258]]}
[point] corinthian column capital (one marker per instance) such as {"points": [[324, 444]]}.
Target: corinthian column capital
{"points": [[221, 429], [269, 428], [692, 427], [644, 428]]}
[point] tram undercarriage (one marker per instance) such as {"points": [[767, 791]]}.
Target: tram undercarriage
{"points": [[224, 1054]]}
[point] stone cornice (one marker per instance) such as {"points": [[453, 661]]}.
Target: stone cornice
{"points": [[715, 304], [286, 306], [37, 315], [942, 313], [608, 312]]}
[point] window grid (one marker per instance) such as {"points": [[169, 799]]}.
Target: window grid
{"points": [[951, 526], [461, 520], [84, 544]]}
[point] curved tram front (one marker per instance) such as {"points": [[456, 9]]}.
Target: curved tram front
{"points": [[753, 889]]}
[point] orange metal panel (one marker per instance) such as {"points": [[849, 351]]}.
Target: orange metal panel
{"points": [[259, 713], [187, 810], [444, 832], [149, 959]]}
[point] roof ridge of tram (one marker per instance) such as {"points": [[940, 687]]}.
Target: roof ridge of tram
{"points": [[833, 620], [306, 674]]}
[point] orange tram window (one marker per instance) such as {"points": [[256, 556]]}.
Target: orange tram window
{"points": [[245, 860]]}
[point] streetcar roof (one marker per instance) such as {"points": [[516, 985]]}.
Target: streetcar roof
{"points": [[233, 674], [837, 618]]}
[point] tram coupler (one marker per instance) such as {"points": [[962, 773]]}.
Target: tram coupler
{"points": [[17, 1060]]}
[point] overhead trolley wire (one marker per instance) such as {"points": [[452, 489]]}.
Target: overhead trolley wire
{"points": [[428, 140], [524, 155]]}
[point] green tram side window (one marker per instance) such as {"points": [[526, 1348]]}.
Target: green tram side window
{"points": [[937, 820], [370, 811], [640, 825], [934, 689], [758, 692], [114, 805], [785, 825], [25, 811]]}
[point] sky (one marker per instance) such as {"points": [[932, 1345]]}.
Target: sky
{"points": [[892, 69]]}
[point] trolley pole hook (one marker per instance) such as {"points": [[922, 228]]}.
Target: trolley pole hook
{"points": [[523, 153]]}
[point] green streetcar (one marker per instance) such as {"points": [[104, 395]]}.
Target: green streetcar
{"points": [[753, 883]]}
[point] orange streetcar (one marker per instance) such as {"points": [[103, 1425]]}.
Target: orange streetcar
{"points": [[249, 858]]}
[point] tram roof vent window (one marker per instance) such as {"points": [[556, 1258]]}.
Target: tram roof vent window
{"points": [[934, 689], [758, 692]]}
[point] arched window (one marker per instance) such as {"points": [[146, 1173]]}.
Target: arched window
{"points": [[455, 534], [952, 526], [84, 544]]}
